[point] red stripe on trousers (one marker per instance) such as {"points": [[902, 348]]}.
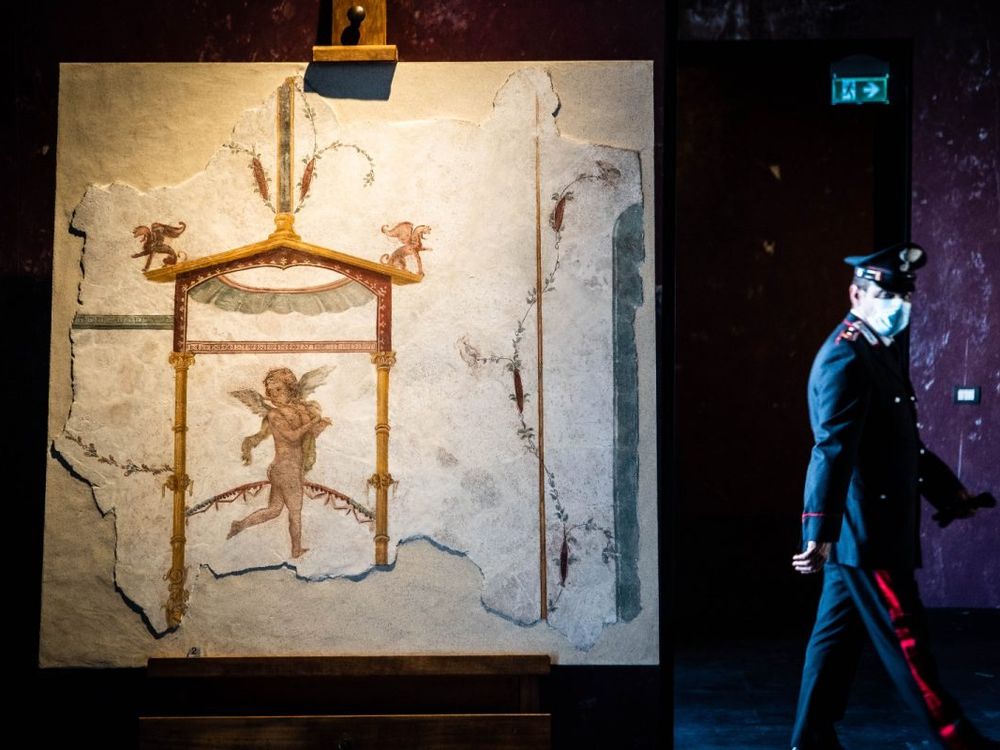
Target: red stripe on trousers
{"points": [[908, 642]]}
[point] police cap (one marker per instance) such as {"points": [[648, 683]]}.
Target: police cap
{"points": [[892, 268]]}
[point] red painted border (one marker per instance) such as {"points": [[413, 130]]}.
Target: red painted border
{"points": [[283, 257]]}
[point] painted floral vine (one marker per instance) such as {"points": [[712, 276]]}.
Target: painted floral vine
{"points": [[263, 184], [608, 175], [128, 466], [309, 173]]}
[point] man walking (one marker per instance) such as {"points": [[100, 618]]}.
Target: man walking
{"points": [[860, 522]]}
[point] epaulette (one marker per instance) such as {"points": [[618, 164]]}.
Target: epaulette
{"points": [[849, 332], [854, 328]]}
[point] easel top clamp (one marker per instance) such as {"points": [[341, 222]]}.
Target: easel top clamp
{"points": [[360, 31]]}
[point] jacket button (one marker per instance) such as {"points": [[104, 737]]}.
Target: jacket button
{"points": [[898, 399], [922, 451], [881, 497], [920, 479], [913, 398]]}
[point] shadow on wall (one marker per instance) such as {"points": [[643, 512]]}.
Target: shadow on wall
{"points": [[368, 81]]}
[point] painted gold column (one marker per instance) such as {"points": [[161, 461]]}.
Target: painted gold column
{"points": [[178, 482], [381, 479]]}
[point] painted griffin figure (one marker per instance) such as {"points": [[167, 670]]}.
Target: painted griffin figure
{"points": [[152, 242], [412, 239]]}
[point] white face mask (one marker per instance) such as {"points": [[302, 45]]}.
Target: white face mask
{"points": [[887, 317]]}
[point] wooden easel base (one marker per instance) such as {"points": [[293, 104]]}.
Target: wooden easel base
{"points": [[481, 702]]}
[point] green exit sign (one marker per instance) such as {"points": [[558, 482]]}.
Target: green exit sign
{"points": [[860, 90]]}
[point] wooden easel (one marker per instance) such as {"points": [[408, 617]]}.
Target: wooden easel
{"points": [[411, 702]]}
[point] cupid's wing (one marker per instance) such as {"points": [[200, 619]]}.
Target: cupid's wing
{"points": [[313, 379], [253, 400]]}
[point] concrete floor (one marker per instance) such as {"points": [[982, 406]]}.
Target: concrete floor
{"points": [[741, 694]]}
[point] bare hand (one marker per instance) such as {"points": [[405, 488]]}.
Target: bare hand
{"points": [[318, 424], [812, 559]]}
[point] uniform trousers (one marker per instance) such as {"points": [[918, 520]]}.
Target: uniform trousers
{"points": [[886, 606]]}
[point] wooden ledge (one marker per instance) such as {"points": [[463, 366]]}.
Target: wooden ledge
{"points": [[352, 666], [358, 53]]}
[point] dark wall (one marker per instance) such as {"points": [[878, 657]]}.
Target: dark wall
{"points": [[772, 183], [607, 706], [955, 215]]}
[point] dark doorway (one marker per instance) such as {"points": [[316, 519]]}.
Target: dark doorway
{"points": [[774, 187]]}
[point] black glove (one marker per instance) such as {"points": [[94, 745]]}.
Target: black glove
{"points": [[963, 508]]}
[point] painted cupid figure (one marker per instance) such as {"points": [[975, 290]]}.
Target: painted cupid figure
{"points": [[294, 424]]}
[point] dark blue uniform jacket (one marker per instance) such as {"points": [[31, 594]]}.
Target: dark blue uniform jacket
{"points": [[868, 467]]}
